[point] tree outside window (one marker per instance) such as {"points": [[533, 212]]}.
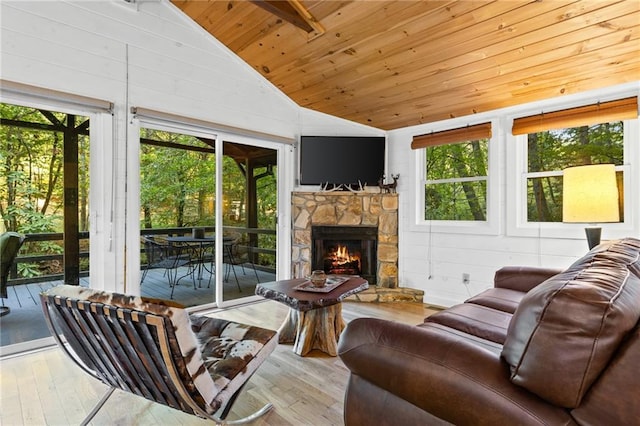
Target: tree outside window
{"points": [[549, 152], [176, 183], [456, 181], [31, 180]]}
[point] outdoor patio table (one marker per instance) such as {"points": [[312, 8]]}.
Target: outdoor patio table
{"points": [[199, 248]]}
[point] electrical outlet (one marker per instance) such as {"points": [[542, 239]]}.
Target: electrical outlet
{"points": [[465, 278]]}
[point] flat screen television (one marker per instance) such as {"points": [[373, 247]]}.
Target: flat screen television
{"points": [[341, 160]]}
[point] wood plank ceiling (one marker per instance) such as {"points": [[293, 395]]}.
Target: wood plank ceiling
{"points": [[392, 64]]}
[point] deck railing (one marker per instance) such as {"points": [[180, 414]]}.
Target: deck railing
{"points": [[14, 279]]}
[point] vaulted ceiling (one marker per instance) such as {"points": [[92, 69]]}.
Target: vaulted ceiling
{"points": [[392, 64]]}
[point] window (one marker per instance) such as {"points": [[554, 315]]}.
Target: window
{"points": [[45, 157], [456, 173], [548, 143], [456, 181], [550, 152]]}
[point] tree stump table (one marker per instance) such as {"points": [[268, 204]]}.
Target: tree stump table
{"points": [[315, 319]]}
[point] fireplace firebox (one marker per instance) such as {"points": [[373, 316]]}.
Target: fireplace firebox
{"points": [[345, 250]]}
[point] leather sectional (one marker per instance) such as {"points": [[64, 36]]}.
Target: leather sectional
{"points": [[541, 347]]}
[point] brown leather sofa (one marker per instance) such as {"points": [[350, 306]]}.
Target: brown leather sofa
{"points": [[541, 347]]}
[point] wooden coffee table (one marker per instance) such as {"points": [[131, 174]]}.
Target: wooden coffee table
{"points": [[315, 319]]}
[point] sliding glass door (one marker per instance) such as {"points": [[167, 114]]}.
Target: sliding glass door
{"points": [[249, 217], [208, 208]]}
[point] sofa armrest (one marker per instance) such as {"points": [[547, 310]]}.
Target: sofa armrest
{"points": [[441, 371], [522, 278]]}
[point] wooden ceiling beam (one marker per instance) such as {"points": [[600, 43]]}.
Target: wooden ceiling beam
{"points": [[284, 11], [398, 25], [317, 27], [294, 12]]}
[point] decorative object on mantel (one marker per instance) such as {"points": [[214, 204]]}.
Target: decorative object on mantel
{"points": [[388, 188], [329, 187]]}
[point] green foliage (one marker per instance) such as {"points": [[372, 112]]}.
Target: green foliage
{"points": [[31, 191], [456, 201], [28, 270], [31, 181], [172, 183], [559, 149], [456, 175], [177, 184]]}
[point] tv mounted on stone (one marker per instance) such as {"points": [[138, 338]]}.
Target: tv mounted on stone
{"points": [[342, 160]]}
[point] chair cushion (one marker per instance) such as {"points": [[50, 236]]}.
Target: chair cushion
{"points": [[231, 351], [10, 243], [566, 330]]}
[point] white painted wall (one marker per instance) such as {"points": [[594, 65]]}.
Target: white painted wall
{"points": [[147, 55], [433, 258]]}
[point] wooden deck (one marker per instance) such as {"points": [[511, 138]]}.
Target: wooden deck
{"points": [[25, 322]]}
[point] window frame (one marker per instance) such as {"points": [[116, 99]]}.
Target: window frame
{"points": [[517, 224], [490, 226]]}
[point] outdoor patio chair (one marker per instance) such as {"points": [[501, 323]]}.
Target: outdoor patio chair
{"points": [[10, 243], [232, 258], [155, 349], [162, 255]]}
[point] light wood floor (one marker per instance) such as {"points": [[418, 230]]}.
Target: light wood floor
{"points": [[45, 388]]}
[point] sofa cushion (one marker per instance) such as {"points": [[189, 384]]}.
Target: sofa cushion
{"points": [[567, 329], [613, 399], [451, 375], [522, 278], [502, 299], [477, 320]]}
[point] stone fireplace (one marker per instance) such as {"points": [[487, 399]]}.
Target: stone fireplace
{"points": [[351, 209], [355, 210]]}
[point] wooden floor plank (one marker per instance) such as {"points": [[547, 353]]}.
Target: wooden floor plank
{"points": [[30, 402], [50, 400], [46, 388]]}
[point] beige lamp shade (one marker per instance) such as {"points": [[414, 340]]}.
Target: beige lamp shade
{"points": [[590, 194]]}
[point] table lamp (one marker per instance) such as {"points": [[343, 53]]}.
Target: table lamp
{"points": [[590, 195]]}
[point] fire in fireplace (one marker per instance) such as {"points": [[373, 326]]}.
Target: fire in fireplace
{"points": [[339, 259], [345, 250]]}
